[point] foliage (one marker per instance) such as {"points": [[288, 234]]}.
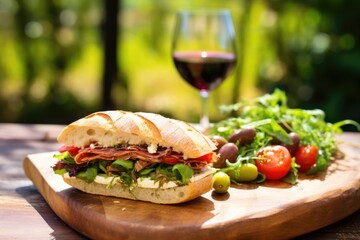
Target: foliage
{"points": [[52, 58]]}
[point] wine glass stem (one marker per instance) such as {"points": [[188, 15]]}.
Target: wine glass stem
{"points": [[204, 118]]}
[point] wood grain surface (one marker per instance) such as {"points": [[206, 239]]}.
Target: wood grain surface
{"points": [[273, 210]]}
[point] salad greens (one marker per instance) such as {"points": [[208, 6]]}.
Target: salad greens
{"points": [[124, 169], [273, 119]]}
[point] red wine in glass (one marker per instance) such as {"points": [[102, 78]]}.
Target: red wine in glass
{"points": [[203, 50], [204, 70]]}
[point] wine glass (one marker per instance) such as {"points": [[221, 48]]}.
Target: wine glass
{"points": [[203, 51]]}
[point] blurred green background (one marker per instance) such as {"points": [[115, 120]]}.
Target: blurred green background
{"points": [[59, 60]]}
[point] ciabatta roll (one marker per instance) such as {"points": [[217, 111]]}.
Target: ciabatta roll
{"points": [[142, 156]]}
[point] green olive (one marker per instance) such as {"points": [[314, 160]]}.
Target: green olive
{"points": [[245, 173], [221, 182]]}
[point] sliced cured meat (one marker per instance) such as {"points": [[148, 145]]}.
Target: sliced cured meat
{"points": [[131, 152], [136, 153]]}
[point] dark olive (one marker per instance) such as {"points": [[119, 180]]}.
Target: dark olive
{"points": [[293, 147], [230, 152], [243, 136], [219, 141]]}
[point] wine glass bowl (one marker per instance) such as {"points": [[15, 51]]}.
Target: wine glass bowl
{"points": [[204, 70], [203, 50]]}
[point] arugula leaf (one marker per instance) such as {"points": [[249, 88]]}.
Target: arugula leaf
{"points": [[146, 171], [125, 178], [337, 126], [60, 171], [121, 163], [102, 165], [271, 127], [260, 178], [184, 172], [89, 174], [65, 157], [292, 176]]}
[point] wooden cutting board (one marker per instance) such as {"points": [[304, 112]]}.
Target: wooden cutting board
{"points": [[272, 210]]}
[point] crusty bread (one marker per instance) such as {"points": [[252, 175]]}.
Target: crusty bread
{"points": [[111, 128], [171, 195], [181, 136]]}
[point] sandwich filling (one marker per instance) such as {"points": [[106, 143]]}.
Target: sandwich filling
{"points": [[128, 163]]}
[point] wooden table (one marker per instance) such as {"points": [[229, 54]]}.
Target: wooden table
{"points": [[24, 214]]}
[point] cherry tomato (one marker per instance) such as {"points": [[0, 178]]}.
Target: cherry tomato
{"points": [[306, 157], [72, 150], [170, 160], [274, 162]]}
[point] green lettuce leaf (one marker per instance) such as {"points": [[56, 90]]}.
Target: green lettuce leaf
{"points": [[292, 176], [125, 178], [121, 163], [147, 171], [60, 171], [89, 174], [65, 157], [271, 127], [102, 165], [184, 172]]}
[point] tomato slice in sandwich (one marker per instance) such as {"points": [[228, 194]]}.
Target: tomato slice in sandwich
{"points": [[206, 158], [72, 150], [171, 160]]}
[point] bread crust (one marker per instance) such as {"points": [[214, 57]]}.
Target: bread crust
{"points": [[171, 195], [110, 128], [181, 136]]}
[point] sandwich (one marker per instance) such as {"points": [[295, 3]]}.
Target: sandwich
{"points": [[140, 156]]}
